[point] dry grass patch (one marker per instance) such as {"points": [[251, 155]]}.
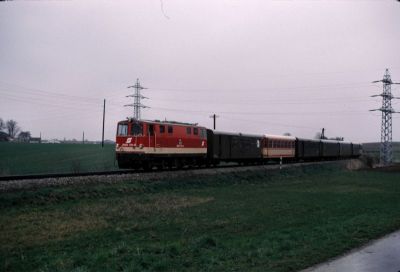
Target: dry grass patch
{"points": [[39, 227], [129, 206]]}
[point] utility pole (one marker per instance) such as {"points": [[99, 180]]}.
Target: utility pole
{"points": [[386, 152], [323, 134], [83, 137], [214, 116], [137, 105], [104, 116]]}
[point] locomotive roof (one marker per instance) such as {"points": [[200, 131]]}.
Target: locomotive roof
{"points": [[165, 122]]}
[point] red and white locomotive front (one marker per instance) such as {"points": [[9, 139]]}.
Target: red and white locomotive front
{"points": [[148, 143]]}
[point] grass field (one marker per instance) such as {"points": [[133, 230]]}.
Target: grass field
{"points": [[249, 221], [20, 158]]}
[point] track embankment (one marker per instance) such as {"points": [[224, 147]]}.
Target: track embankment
{"points": [[110, 178]]}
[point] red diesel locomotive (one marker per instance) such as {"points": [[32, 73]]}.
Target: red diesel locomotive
{"points": [[144, 144]]}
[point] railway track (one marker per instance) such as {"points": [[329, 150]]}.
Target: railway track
{"points": [[12, 183], [66, 175], [114, 172]]}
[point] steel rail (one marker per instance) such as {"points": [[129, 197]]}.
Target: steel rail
{"points": [[66, 175], [116, 172], [136, 171]]}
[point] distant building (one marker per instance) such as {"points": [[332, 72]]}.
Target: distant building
{"points": [[4, 137], [35, 140]]}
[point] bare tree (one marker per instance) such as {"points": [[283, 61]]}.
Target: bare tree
{"points": [[12, 128], [2, 125], [24, 136]]}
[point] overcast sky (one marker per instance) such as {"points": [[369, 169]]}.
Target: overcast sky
{"points": [[262, 66]]}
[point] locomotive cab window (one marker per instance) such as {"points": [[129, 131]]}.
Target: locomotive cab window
{"points": [[122, 129], [203, 133], [170, 129], [195, 131], [188, 130], [136, 129], [162, 129]]}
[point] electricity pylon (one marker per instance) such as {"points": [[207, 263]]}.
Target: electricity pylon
{"points": [[386, 152], [137, 105]]}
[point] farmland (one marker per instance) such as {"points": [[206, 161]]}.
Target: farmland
{"points": [[20, 158], [248, 221]]}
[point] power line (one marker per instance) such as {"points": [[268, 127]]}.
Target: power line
{"points": [[262, 113], [37, 90], [280, 89]]}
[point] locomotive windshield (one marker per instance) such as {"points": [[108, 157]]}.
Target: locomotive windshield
{"points": [[136, 129], [122, 129]]}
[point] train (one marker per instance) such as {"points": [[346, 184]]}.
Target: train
{"points": [[145, 144]]}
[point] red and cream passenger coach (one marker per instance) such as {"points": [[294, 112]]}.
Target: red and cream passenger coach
{"points": [[146, 144]]}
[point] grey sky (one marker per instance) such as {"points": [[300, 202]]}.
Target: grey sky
{"points": [[262, 66]]}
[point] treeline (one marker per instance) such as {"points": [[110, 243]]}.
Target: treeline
{"points": [[10, 131]]}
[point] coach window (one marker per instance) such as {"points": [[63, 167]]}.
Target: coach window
{"points": [[151, 130], [170, 129], [195, 131], [122, 129], [136, 129], [188, 130], [162, 129]]}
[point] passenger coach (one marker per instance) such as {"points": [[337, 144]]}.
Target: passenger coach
{"points": [[278, 146]]}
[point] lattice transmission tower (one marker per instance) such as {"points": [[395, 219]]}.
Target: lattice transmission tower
{"points": [[137, 104], [386, 152]]}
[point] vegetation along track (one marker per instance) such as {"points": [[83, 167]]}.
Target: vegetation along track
{"points": [[14, 183]]}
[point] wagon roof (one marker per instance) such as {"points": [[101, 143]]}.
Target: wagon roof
{"points": [[237, 134], [279, 137]]}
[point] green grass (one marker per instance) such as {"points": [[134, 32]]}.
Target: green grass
{"points": [[21, 159], [250, 221]]}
